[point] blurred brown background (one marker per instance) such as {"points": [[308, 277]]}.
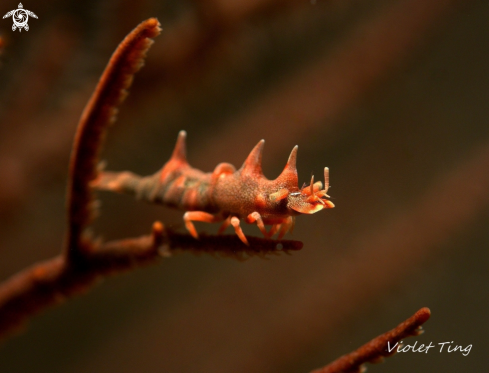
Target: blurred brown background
{"points": [[390, 94]]}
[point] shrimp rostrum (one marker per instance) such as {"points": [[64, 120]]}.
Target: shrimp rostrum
{"points": [[226, 195]]}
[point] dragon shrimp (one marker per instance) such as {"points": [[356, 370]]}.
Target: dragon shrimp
{"points": [[226, 195]]}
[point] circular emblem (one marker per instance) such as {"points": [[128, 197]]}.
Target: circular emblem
{"points": [[20, 17]]}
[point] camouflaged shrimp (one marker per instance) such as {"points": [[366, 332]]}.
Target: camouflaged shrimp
{"points": [[226, 194]]}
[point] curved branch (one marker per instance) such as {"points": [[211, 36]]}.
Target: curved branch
{"points": [[84, 261], [375, 350], [101, 111]]}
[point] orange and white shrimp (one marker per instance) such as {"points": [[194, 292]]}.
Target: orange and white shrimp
{"points": [[226, 194]]}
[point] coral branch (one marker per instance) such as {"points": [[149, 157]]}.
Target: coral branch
{"points": [[101, 111], [230, 245], [377, 348], [51, 282], [84, 261]]}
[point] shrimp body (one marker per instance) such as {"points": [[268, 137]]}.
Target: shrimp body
{"points": [[226, 194]]}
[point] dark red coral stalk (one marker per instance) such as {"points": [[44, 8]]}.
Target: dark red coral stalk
{"points": [[377, 348], [101, 111], [84, 262]]}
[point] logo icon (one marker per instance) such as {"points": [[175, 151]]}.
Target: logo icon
{"points": [[20, 17]]}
